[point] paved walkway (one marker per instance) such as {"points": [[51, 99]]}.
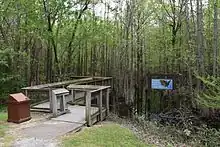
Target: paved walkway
{"points": [[45, 133], [50, 129], [34, 142]]}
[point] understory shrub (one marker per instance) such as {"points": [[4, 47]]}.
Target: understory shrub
{"points": [[192, 135], [10, 80]]}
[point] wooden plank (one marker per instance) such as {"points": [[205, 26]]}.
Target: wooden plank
{"points": [[60, 91], [78, 81], [101, 88], [56, 84], [73, 93], [26, 93], [89, 87], [50, 100], [40, 110], [107, 102], [74, 86], [100, 105], [91, 82], [63, 103], [54, 103], [88, 108]]}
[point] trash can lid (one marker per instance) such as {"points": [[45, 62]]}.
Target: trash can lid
{"points": [[19, 97]]}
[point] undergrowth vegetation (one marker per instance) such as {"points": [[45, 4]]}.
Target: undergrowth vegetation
{"points": [[210, 96], [191, 135], [167, 134], [9, 81]]}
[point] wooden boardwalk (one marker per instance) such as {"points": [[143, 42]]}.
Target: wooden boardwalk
{"points": [[76, 114], [59, 126], [81, 105]]}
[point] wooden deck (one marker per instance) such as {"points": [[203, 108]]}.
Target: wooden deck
{"points": [[59, 126], [87, 103], [93, 98], [76, 114]]}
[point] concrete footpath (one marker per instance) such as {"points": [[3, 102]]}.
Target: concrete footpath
{"points": [[46, 132]]}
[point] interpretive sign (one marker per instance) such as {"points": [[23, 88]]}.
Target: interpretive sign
{"points": [[162, 84]]}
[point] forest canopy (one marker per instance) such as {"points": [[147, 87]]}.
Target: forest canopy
{"points": [[42, 40]]}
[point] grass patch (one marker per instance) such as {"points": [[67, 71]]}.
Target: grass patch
{"points": [[3, 126], [6, 138], [3, 117], [109, 135]]}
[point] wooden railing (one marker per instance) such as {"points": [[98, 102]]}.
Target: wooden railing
{"points": [[92, 92], [41, 93]]}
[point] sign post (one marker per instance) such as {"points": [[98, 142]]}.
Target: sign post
{"points": [[159, 82]]}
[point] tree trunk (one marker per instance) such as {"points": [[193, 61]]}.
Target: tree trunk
{"points": [[215, 39]]}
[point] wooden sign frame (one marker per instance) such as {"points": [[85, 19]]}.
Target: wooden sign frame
{"points": [[149, 89]]}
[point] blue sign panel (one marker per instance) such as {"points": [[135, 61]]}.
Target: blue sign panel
{"points": [[163, 84]]}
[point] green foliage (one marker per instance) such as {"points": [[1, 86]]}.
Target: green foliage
{"points": [[210, 97], [9, 81], [208, 137], [190, 135], [10, 84], [107, 135]]}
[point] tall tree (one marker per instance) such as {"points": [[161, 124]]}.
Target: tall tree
{"points": [[215, 40], [200, 42]]}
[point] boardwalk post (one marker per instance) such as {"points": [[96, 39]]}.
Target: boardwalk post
{"points": [[54, 103], [73, 93], [100, 105], [63, 104], [50, 99], [88, 108], [26, 92], [107, 102]]}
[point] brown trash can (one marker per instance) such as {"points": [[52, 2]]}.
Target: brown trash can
{"points": [[18, 108]]}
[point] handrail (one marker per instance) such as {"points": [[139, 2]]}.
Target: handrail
{"points": [[56, 84], [102, 88], [88, 114]]}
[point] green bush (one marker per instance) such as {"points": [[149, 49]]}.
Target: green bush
{"points": [[209, 137], [10, 84], [190, 135], [210, 96], [10, 80]]}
